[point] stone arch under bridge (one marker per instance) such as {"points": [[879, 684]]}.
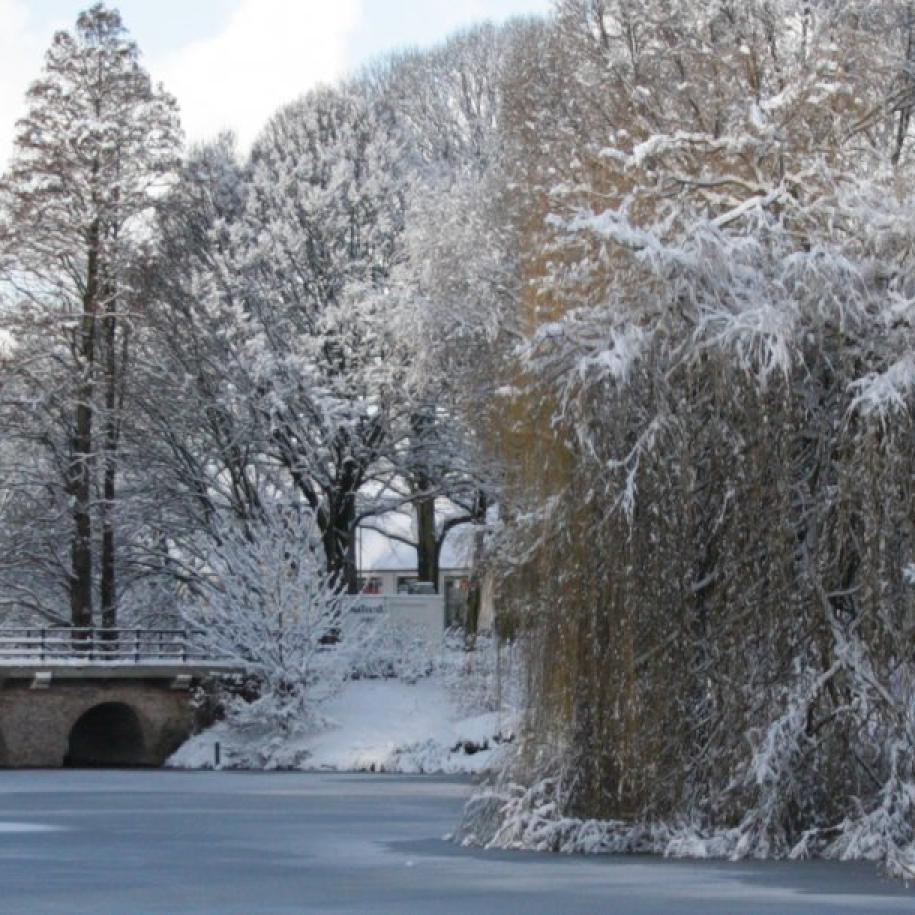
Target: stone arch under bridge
{"points": [[108, 734]]}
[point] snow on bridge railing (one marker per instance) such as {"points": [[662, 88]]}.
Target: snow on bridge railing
{"points": [[121, 646]]}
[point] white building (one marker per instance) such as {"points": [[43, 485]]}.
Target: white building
{"points": [[388, 566]]}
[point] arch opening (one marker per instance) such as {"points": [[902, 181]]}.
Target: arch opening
{"points": [[107, 735], [4, 757]]}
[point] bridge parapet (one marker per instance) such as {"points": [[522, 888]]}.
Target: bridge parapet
{"points": [[98, 645], [106, 654]]}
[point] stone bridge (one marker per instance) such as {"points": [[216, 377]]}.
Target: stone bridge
{"points": [[120, 700]]}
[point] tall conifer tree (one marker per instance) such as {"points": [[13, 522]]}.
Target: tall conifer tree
{"points": [[96, 141]]}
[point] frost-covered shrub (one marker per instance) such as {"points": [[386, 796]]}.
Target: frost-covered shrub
{"points": [[387, 651], [484, 678], [269, 605]]}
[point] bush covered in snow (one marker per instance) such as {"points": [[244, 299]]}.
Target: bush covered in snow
{"points": [[268, 604]]}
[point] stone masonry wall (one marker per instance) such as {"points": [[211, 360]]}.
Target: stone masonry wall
{"points": [[35, 724]]}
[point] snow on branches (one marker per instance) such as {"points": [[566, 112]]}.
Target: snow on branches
{"points": [[719, 303], [266, 602]]}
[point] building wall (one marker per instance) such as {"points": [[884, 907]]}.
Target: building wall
{"points": [[389, 578], [452, 585]]}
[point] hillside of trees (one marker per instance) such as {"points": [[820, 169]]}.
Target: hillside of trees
{"points": [[628, 286]]}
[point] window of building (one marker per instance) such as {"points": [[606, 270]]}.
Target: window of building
{"points": [[372, 584]]}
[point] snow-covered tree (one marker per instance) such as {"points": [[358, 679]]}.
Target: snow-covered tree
{"points": [[266, 600], [312, 255], [96, 143], [707, 544], [197, 437], [459, 267]]}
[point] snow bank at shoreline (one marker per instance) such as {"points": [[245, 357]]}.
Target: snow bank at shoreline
{"points": [[448, 722]]}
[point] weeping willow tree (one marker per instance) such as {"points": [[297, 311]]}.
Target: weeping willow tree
{"points": [[708, 525]]}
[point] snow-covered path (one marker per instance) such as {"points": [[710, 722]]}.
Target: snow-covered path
{"points": [[241, 844]]}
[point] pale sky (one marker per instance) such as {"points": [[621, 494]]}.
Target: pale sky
{"points": [[232, 63]]}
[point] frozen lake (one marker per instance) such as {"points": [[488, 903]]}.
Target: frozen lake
{"points": [[174, 842]]}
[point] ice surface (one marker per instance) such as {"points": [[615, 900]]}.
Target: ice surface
{"points": [[240, 843]]}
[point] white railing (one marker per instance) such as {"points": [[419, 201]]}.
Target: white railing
{"points": [[121, 646]]}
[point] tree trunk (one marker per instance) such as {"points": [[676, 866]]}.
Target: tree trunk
{"points": [[81, 550], [80, 469], [339, 537], [350, 567], [475, 586], [108, 587], [426, 545], [424, 505], [340, 550]]}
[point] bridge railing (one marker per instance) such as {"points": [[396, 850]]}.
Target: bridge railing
{"points": [[124, 646]]}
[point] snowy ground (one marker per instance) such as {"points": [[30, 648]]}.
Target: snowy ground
{"points": [[154, 842], [453, 721], [373, 725]]}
